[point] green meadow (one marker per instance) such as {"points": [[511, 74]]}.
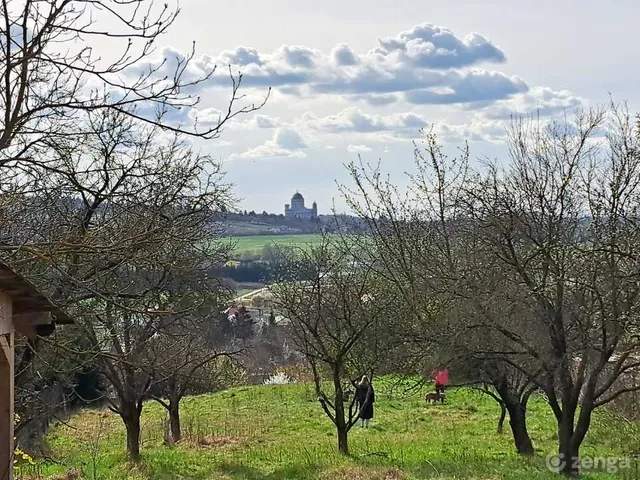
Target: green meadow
{"points": [[279, 432], [256, 243]]}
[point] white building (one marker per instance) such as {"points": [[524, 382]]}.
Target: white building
{"points": [[298, 210]]}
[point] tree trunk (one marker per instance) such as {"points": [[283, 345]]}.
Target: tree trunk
{"points": [[174, 419], [518, 424], [568, 453], [341, 423], [570, 438], [132, 424], [517, 419], [503, 414], [343, 443]]}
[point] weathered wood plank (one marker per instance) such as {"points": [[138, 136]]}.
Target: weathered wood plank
{"points": [[6, 314], [6, 407]]}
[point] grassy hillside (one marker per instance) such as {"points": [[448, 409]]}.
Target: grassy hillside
{"points": [[255, 243], [279, 432]]}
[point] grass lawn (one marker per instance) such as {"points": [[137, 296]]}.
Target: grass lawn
{"points": [[255, 243], [279, 432]]}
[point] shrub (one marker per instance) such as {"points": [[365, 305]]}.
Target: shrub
{"points": [[279, 378]]}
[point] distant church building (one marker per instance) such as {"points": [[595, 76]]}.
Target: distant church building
{"points": [[298, 210]]}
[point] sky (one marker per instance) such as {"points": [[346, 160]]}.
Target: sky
{"points": [[353, 79]]}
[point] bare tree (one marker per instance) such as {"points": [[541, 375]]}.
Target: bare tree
{"points": [[332, 305], [189, 358], [549, 241], [126, 238], [61, 57], [562, 221]]}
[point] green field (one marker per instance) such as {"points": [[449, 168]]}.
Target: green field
{"points": [[255, 243], [279, 432]]}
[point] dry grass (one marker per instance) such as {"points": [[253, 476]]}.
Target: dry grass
{"points": [[362, 473], [211, 441]]}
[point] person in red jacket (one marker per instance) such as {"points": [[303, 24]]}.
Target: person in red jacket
{"points": [[441, 380]]}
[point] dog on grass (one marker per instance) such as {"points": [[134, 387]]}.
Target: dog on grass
{"points": [[433, 397]]}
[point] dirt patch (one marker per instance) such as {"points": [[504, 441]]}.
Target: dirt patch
{"points": [[70, 475], [362, 473]]}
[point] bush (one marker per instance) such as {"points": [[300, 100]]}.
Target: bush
{"points": [[279, 378]]}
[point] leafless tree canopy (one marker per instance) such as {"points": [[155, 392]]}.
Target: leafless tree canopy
{"points": [[123, 231], [337, 311], [61, 57], [536, 256]]}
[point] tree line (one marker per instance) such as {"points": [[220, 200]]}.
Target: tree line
{"points": [[108, 208], [520, 275]]}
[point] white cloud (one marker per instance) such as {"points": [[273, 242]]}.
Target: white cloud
{"points": [[354, 120], [541, 101], [478, 130], [358, 149], [286, 142], [342, 55], [424, 66], [411, 63], [263, 121], [430, 46], [206, 116]]}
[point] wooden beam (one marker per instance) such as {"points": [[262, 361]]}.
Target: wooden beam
{"points": [[6, 407], [34, 318], [6, 314], [25, 323], [6, 355]]}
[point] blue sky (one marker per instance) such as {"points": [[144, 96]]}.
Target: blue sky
{"points": [[353, 77]]}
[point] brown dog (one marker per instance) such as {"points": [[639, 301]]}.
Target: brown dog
{"points": [[434, 397]]}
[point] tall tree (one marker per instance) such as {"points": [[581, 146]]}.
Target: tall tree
{"points": [[546, 244], [421, 242], [126, 239], [562, 222], [332, 306]]}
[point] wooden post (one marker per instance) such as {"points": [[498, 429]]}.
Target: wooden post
{"points": [[6, 387]]}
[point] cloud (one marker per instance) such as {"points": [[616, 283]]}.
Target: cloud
{"points": [[358, 149], [354, 120], [426, 65], [263, 121], [412, 63], [343, 56], [206, 116], [286, 142], [296, 56], [541, 101], [478, 130], [477, 86], [242, 56], [402, 126], [289, 139], [377, 100], [430, 46]]}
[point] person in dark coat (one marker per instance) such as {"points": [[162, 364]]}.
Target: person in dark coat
{"points": [[366, 398]]}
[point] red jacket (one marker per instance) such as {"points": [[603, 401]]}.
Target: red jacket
{"points": [[442, 377]]}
